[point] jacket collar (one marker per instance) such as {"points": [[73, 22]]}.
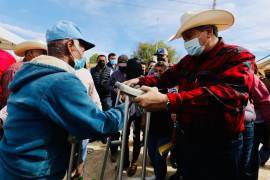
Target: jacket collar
{"points": [[53, 61]]}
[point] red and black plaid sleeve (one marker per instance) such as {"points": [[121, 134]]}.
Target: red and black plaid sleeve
{"points": [[223, 77]]}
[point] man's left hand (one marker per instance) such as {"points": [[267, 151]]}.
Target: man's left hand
{"points": [[152, 100]]}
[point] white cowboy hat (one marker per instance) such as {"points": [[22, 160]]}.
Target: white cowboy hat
{"points": [[28, 45], [221, 18]]}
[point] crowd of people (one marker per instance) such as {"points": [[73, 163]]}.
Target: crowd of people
{"points": [[211, 109]]}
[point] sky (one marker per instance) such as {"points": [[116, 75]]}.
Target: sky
{"points": [[120, 25]]}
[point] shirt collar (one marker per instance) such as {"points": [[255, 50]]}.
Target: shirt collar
{"points": [[53, 61]]}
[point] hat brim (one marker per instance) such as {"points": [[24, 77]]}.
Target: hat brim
{"points": [[21, 48], [159, 54], [220, 18], [87, 45]]}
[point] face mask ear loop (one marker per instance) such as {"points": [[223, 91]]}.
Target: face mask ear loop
{"points": [[76, 44]]}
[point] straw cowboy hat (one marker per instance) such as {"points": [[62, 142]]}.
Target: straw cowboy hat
{"points": [[221, 18], [28, 45]]}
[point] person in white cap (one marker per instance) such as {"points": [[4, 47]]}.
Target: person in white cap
{"points": [[30, 49], [214, 80], [48, 102]]}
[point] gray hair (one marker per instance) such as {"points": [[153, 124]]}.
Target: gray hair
{"points": [[58, 48]]}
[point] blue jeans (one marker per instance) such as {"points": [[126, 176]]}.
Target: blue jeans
{"points": [[264, 154], [136, 140], [212, 161], [248, 139], [159, 162]]}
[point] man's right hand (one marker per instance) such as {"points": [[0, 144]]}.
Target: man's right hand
{"points": [[132, 82]]}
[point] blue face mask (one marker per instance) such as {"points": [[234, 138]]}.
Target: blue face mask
{"points": [[80, 63], [113, 61], [193, 47]]}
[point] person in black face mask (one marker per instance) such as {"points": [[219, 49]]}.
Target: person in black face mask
{"points": [[133, 69], [122, 69], [101, 75], [117, 76], [101, 64]]}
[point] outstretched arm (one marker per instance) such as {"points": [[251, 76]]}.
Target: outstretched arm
{"points": [[68, 105]]}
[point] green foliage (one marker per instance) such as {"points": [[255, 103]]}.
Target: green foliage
{"points": [[93, 59], [146, 51]]}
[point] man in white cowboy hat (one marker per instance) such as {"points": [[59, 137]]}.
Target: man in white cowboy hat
{"points": [[214, 81], [28, 50]]}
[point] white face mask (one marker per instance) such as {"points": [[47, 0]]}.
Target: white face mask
{"points": [[193, 47]]}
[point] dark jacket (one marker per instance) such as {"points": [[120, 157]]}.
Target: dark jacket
{"points": [[115, 68], [101, 79], [117, 76]]}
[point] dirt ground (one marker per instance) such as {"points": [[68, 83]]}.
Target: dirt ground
{"points": [[95, 159]]}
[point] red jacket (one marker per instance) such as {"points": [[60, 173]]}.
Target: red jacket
{"points": [[213, 90], [7, 77], [6, 60]]}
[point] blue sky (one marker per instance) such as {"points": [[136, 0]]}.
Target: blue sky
{"points": [[119, 25]]}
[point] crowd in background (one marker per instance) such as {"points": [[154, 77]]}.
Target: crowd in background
{"points": [[212, 107]]}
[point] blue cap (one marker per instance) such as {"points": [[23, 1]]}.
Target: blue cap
{"points": [[67, 30], [161, 51]]}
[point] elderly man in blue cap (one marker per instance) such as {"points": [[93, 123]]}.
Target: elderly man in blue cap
{"points": [[47, 103]]}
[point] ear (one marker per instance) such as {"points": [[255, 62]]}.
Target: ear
{"points": [[210, 32], [70, 46], [28, 54]]}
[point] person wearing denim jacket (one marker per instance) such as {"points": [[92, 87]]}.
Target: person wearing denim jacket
{"points": [[47, 103]]}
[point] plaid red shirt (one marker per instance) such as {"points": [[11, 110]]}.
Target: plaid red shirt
{"points": [[213, 90]]}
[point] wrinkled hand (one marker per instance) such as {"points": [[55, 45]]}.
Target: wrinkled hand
{"points": [[132, 82], [122, 97], [152, 100]]}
